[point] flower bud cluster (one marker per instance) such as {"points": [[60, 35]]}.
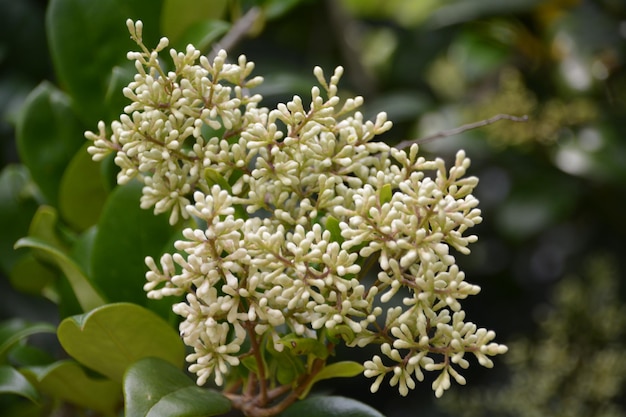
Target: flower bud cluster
{"points": [[286, 208]]}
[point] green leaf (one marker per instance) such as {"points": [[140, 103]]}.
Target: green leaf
{"points": [[32, 277], [126, 235], [48, 136], [87, 296], [13, 382], [385, 194], [327, 406], [67, 381], [344, 369], [332, 225], [88, 39], [179, 15], [285, 365], [17, 207], [111, 338], [44, 226], [156, 388], [304, 346], [202, 34], [81, 193], [213, 177], [15, 330]]}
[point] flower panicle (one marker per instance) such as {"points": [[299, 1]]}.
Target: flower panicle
{"points": [[284, 207]]}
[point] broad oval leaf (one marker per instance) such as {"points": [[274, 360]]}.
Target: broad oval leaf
{"points": [[111, 338], [330, 406], [13, 382], [155, 388], [67, 381]]}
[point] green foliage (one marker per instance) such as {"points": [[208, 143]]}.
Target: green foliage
{"points": [[549, 190], [124, 333], [155, 388]]}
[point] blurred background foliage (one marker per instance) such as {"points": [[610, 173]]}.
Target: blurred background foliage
{"points": [[551, 189]]}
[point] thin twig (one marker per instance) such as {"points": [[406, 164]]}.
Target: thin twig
{"points": [[445, 133], [239, 29]]}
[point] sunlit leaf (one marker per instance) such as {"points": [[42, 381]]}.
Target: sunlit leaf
{"points": [[343, 369], [111, 338]]}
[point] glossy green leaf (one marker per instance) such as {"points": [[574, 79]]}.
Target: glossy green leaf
{"points": [[156, 388], [13, 382], [81, 193], [67, 381], [48, 136], [179, 15], [343, 369], [111, 338], [327, 406], [17, 207], [126, 235], [88, 39], [14, 330], [87, 296]]}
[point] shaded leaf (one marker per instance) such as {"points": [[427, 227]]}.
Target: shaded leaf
{"points": [[13, 382], [323, 406], [67, 381], [126, 235], [87, 296], [81, 193], [88, 38], [17, 207], [48, 135], [111, 338], [203, 34], [30, 276], [14, 330], [155, 388], [178, 16]]}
